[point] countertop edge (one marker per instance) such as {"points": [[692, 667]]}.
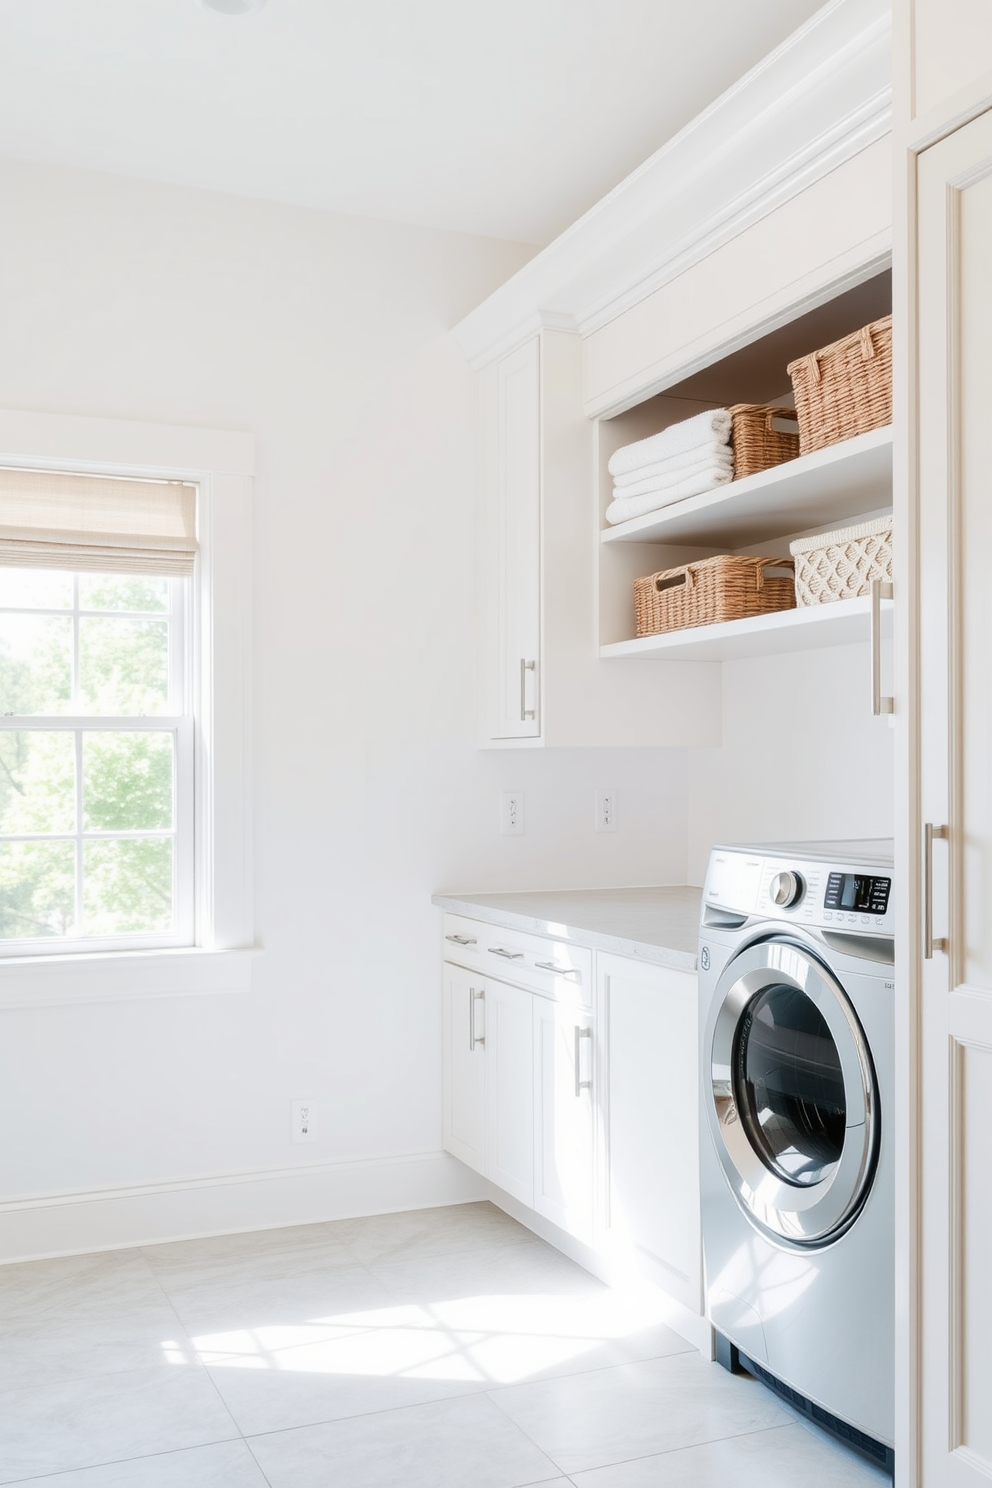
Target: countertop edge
{"points": [[635, 950]]}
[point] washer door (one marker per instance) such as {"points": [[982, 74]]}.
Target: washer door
{"points": [[792, 1102]]}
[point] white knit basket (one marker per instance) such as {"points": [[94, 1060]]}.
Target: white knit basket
{"points": [[842, 564]]}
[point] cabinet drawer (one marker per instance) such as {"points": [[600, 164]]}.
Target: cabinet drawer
{"points": [[555, 968], [465, 941]]}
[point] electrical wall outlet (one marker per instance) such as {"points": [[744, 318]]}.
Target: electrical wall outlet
{"points": [[606, 811], [303, 1121], [511, 814]]}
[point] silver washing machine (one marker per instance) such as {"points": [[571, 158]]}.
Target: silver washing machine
{"points": [[796, 1007]]}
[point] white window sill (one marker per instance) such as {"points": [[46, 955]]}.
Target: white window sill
{"points": [[111, 976]]}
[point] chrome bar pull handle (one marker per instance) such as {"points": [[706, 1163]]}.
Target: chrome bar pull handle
{"points": [[473, 1037], [561, 970], [507, 955], [580, 1084], [880, 590], [930, 944], [462, 940], [525, 667]]}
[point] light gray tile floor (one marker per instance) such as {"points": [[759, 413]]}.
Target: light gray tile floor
{"points": [[447, 1348]]}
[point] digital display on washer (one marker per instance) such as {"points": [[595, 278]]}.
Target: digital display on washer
{"points": [[857, 892]]}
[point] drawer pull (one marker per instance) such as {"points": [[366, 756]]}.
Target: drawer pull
{"points": [[561, 970], [507, 955], [473, 1037], [462, 940], [580, 1084]]}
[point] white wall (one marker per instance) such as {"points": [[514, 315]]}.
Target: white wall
{"points": [[326, 337], [802, 758]]}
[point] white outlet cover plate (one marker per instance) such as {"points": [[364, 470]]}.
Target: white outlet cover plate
{"points": [[511, 814], [303, 1120], [606, 811]]}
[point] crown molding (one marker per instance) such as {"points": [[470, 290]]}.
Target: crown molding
{"points": [[819, 99]]}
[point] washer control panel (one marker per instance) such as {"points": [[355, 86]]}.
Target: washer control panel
{"points": [[814, 891]]}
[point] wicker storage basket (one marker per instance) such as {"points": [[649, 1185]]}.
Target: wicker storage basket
{"points": [[757, 446], [722, 588], [842, 564], [845, 388]]}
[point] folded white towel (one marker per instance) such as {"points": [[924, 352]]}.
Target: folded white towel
{"points": [[722, 453], [661, 477], [716, 424], [625, 507]]}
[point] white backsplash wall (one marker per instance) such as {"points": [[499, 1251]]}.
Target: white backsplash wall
{"points": [[327, 337], [802, 758]]}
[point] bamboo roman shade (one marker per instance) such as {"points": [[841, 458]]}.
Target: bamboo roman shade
{"points": [[96, 522]]}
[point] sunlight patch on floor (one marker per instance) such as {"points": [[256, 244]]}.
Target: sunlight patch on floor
{"points": [[473, 1340]]}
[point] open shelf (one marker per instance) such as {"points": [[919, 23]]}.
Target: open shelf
{"points": [[830, 486], [835, 624]]}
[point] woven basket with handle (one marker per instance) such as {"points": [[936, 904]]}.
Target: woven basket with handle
{"points": [[846, 388], [758, 445], [727, 587]]}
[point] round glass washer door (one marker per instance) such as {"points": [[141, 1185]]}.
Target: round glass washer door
{"points": [[793, 1105]]}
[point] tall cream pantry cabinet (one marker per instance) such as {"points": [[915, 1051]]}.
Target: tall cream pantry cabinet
{"points": [[943, 137]]}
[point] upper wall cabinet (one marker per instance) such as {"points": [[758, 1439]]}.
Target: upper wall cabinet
{"points": [[541, 679], [946, 58]]}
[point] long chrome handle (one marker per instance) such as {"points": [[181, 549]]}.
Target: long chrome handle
{"points": [[880, 590], [929, 943], [561, 970], [507, 955], [525, 667], [473, 1038], [580, 1084], [462, 940]]}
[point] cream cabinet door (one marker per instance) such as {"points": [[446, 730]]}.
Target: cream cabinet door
{"points": [[464, 1065], [563, 1116], [648, 1021], [510, 1079], [511, 544], [954, 362]]}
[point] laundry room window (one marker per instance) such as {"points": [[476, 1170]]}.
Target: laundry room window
{"points": [[96, 713]]}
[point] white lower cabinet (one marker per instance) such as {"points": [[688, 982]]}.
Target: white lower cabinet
{"points": [[465, 1066], [510, 1077], [586, 1115], [649, 1087], [564, 1129]]}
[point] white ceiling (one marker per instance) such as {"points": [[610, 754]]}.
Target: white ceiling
{"points": [[506, 119]]}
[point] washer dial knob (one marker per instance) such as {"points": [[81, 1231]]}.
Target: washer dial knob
{"points": [[786, 889]]}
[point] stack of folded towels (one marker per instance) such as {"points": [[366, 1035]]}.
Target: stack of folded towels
{"points": [[681, 461]]}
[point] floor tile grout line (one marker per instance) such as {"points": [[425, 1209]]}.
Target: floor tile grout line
{"points": [[119, 1461], [184, 1334], [668, 1451]]}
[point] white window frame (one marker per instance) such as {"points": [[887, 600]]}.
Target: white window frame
{"points": [[221, 463]]}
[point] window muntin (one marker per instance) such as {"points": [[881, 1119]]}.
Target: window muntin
{"points": [[96, 768]]}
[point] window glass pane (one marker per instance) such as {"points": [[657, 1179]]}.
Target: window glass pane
{"points": [[35, 589], [123, 666], [127, 782], [127, 886], [132, 592], [37, 889], [35, 663], [37, 782]]}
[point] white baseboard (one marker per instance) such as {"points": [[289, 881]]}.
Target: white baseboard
{"points": [[76, 1223], [688, 1325]]}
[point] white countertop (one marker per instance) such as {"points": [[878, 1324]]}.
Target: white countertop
{"points": [[660, 925]]}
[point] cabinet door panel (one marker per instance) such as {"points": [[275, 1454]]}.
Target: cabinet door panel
{"points": [[563, 1117], [510, 1053], [955, 617], [652, 1184], [511, 557], [465, 1066]]}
